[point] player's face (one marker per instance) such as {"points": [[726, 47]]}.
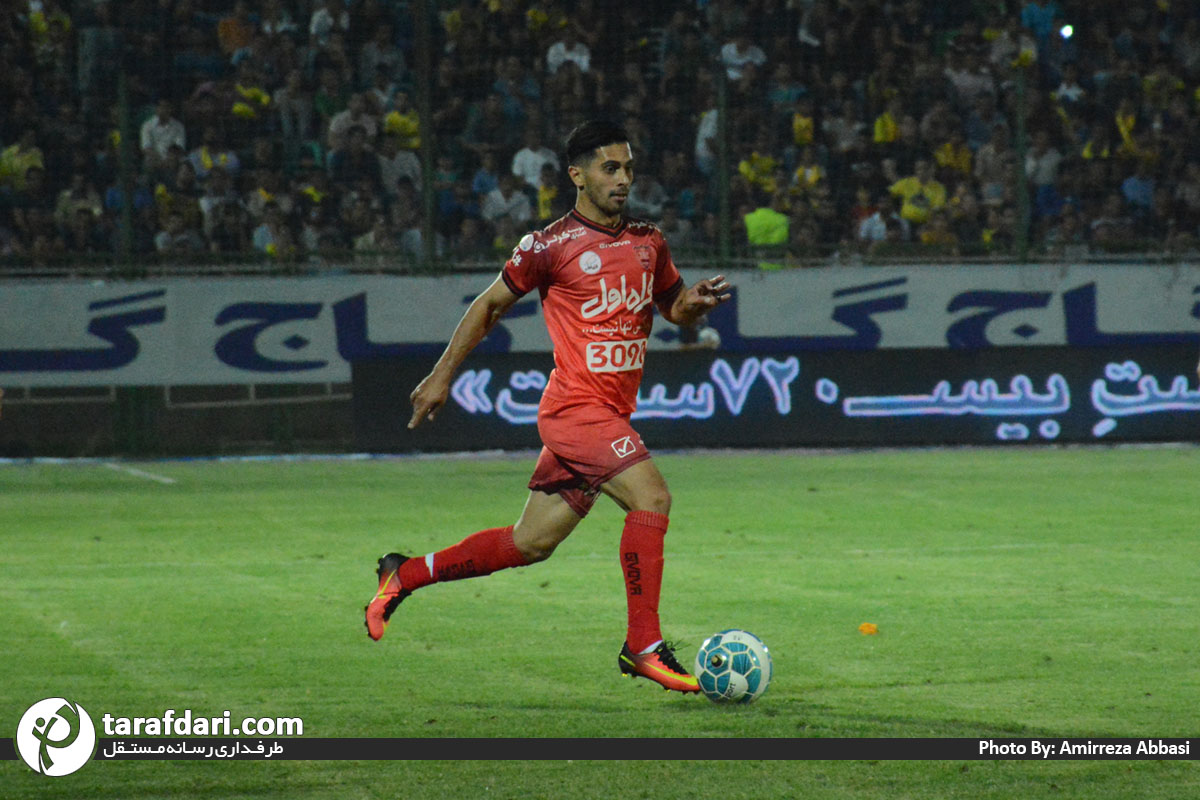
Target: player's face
{"points": [[604, 182]]}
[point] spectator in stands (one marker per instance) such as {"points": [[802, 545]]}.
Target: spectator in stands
{"points": [[403, 122], [1069, 91], [269, 186], [235, 30], [293, 104], [218, 192], [550, 202], [966, 217], [1138, 190], [486, 178], [380, 56], [527, 162], [180, 196], [356, 114], [379, 241], [569, 48], [99, 55], [995, 166], [212, 152], [953, 157], [1041, 17], [739, 52], [1041, 168], [865, 206], [176, 239], [360, 210], [273, 237], [679, 231], [83, 234], [1187, 193], [276, 20], [1161, 225], [1067, 237], [354, 161], [331, 96], [17, 159], [969, 78], [396, 164], [1111, 228], [981, 121], [999, 231], [229, 235], [938, 124], [330, 17], [647, 198], [1110, 98], [321, 233], [1185, 49], [937, 236], [767, 225], [488, 128], [921, 193], [507, 201], [471, 241], [886, 129], [159, 132], [81, 195], [845, 133], [885, 227]]}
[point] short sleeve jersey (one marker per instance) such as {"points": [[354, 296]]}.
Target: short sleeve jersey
{"points": [[598, 288]]}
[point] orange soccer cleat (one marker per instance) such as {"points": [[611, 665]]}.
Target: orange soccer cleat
{"points": [[389, 595], [659, 666]]}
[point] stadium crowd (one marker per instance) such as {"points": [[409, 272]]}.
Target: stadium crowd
{"points": [[287, 129]]}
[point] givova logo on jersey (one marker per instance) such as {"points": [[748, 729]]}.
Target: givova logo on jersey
{"points": [[55, 737]]}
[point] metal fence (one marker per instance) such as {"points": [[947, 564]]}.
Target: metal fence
{"points": [[418, 135]]}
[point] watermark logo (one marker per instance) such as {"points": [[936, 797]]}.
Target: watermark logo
{"points": [[56, 737]]}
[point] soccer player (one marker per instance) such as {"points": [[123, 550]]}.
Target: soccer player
{"points": [[599, 276]]}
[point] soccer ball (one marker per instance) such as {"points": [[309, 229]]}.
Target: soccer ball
{"points": [[733, 666]]}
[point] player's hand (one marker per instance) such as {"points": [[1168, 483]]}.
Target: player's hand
{"points": [[705, 295], [429, 396]]}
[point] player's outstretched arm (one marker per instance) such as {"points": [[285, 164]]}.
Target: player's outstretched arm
{"points": [[483, 313], [696, 301]]}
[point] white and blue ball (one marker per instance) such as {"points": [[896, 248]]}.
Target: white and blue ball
{"points": [[733, 666]]}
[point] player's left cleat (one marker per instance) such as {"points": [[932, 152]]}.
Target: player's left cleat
{"points": [[659, 666], [389, 595]]}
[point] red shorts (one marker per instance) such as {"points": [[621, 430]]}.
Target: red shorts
{"points": [[584, 447]]}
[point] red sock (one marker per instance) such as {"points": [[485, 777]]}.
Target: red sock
{"points": [[479, 554], [642, 561]]}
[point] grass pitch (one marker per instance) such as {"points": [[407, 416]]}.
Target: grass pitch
{"points": [[1017, 592]]}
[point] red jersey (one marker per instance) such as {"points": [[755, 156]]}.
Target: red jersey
{"points": [[598, 287]]}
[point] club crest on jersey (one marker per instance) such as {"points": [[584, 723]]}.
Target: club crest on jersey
{"points": [[589, 262], [525, 243], [645, 255]]}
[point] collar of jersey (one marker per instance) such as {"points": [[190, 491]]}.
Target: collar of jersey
{"points": [[582, 220]]}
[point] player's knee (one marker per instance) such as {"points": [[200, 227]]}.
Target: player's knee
{"points": [[536, 551], [657, 499]]}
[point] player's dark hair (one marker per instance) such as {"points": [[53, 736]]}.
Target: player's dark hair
{"points": [[590, 135]]}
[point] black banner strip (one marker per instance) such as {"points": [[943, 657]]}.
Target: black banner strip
{"points": [[644, 749]]}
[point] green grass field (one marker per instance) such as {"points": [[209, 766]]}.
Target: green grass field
{"points": [[1040, 592]]}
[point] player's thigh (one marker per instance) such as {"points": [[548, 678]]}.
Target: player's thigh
{"points": [[641, 487], [545, 521]]}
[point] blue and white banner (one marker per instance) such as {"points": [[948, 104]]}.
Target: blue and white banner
{"points": [[197, 331]]}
